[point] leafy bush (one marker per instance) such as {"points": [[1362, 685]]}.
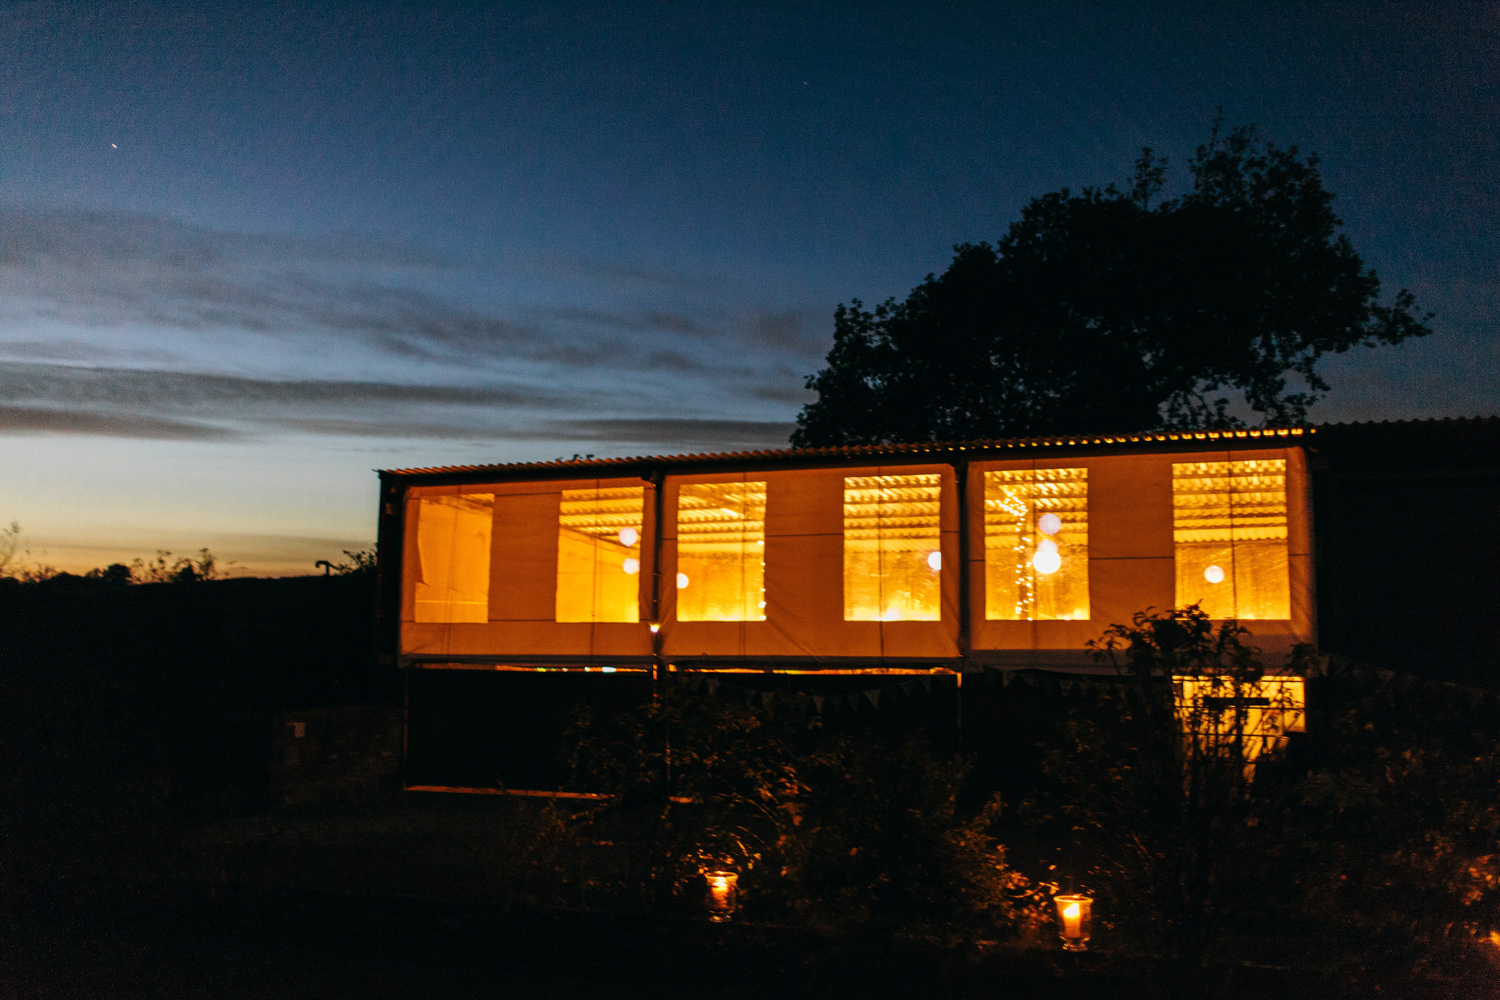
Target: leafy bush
{"points": [[1371, 846], [844, 835]]}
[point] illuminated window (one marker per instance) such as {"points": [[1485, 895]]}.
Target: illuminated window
{"points": [[1229, 529], [453, 558], [599, 554], [1036, 544], [1245, 719], [892, 552], [721, 552]]}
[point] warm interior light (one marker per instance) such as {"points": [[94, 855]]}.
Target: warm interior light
{"points": [[1036, 544], [593, 584], [631, 566], [720, 536], [453, 558], [934, 561], [891, 529], [682, 581], [629, 536], [1074, 914], [1047, 560], [722, 895], [1230, 521]]}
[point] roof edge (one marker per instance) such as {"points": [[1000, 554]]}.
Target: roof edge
{"points": [[856, 451]]}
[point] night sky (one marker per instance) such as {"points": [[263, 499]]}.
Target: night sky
{"points": [[248, 255]]}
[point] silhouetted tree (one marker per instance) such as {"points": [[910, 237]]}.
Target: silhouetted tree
{"points": [[1100, 311], [10, 546]]}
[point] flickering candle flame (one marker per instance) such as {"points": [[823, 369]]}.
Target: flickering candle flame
{"points": [[722, 895], [1073, 913]]}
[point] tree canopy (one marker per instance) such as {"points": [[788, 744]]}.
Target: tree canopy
{"points": [[1101, 311]]}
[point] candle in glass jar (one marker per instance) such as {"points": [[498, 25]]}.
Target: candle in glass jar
{"points": [[1072, 920], [722, 887], [1073, 913]]}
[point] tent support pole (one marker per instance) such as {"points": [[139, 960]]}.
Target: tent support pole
{"points": [[658, 504], [961, 479], [961, 475]]}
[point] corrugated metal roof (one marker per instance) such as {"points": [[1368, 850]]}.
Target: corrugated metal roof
{"points": [[855, 451], [931, 447]]}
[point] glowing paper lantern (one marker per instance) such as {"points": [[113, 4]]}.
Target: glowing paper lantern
{"points": [[1046, 559], [1049, 524], [723, 895], [1075, 917], [682, 580], [934, 561], [629, 536], [631, 566], [1214, 574]]}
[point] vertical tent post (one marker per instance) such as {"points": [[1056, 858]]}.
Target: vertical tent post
{"points": [[961, 478], [657, 504], [657, 480], [961, 475]]}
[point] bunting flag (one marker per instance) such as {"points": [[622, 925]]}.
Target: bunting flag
{"points": [[807, 703]]}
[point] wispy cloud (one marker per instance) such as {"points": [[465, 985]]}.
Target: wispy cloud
{"points": [[191, 390], [104, 271], [393, 429], [716, 433], [39, 420], [109, 320], [166, 404]]}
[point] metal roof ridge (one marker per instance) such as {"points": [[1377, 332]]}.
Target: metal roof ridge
{"points": [[1048, 441]]}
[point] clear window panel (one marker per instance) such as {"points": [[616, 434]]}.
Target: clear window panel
{"points": [[721, 551], [599, 554], [1036, 544], [1229, 528], [453, 558], [892, 548]]}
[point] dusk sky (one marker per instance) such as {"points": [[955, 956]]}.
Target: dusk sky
{"points": [[250, 254]]}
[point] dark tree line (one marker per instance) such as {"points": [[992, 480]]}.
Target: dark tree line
{"points": [[1110, 310]]}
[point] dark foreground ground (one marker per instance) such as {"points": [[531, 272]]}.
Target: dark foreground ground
{"points": [[141, 732], [289, 945]]}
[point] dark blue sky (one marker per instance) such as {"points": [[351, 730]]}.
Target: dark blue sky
{"points": [[247, 255]]}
